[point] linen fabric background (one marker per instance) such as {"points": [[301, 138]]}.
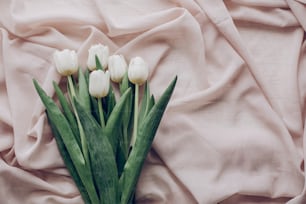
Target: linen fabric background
{"points": [[234, 131]]}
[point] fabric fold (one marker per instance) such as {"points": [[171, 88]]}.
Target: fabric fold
{"points": [[234, 131]]}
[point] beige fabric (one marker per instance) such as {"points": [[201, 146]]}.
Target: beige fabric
{"points": [[234, 129]]}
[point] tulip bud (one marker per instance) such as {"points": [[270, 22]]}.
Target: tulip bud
{"points": [[117, 67], [102, 52], [99, 83], [66, 62], [138, 71]]}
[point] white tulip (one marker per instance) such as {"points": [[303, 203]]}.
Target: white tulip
{"points": [[138, 71], [99, 83], [117, 67], [66, 62], [102, 52]]}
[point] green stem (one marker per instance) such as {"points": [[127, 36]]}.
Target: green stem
{"points": [[100, 107], [135, 127]]}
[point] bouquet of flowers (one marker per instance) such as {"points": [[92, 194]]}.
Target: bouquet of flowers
{"points": [[104, 138]]}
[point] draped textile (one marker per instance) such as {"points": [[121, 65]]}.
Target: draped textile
{"points": [[233, 132]]}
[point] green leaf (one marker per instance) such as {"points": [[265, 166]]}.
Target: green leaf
{"points": [[86, 75], [120, 156], [144, 107], [151, 102], [83, 93], [125, 83], [69, 164], [127, 116], [125, 136], [146, 133], [102, 157], [68, 112], [94, 108], [58, 120], [115, 119], [110, 101], [98, 64], [71, 86]]}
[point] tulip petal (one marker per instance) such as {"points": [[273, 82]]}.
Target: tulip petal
{"points": [[138, 71], [66, 62]]}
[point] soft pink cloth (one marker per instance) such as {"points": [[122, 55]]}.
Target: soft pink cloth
{"points": [[234, 130]]}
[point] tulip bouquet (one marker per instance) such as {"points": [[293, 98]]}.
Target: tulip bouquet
{"points": [[102, 129]]}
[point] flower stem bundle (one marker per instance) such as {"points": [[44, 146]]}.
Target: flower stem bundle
{"points": [[104, 139]]}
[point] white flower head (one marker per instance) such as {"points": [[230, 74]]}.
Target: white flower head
{"points": [[66, 62], [138, 71], [99, 82], [102, 52], [117, 67]]}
